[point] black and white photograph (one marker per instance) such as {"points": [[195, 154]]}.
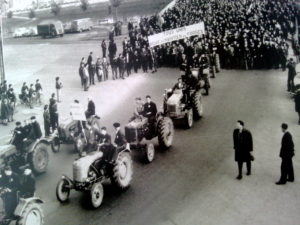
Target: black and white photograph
{"points": [[149, 112]]}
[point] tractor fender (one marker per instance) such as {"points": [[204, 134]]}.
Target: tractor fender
{"points": [[36, 143], [24, 202], [67, 178]]}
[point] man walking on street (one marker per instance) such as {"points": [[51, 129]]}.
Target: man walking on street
{"points": [[291, 75], [58, 87], [92, 71], [47, 121], [286, 155], [103, 46], [243, 146], [297, 103]]}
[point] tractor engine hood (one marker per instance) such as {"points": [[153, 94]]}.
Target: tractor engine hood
{"points": [[6, 151], [175, 98], [82, 165]]}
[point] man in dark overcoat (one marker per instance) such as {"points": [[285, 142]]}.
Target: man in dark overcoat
{"points": [[297, 103], [286, 155], [243, 146]]}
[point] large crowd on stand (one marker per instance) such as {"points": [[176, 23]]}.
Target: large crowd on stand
{"points": [[246, 34]]}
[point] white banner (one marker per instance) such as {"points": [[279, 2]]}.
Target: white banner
{"points": [[176, 34]]}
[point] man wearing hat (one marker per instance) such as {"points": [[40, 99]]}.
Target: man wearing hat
{"points": [[11, 181], [150, 112], [38, 89], [91, 108], [104, 139], [18, 136], [35, 131], [27, 184], [286, 154], [120, 139], [47, 121], [291, 65], [138, 110]]}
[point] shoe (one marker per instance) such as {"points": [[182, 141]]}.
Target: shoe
{"points": [[290, 180], [239, 177], [280, 183], [248, 173]]}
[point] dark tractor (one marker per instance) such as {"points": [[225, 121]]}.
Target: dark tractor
{"points": [[140, 131]]}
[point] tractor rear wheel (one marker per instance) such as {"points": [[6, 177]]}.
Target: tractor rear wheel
{"points": [[197, 103], [122, 172], [32, 214], [39, 158], [165, 130]]}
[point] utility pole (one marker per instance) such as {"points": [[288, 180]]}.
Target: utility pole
{"points": [[2, 71]]}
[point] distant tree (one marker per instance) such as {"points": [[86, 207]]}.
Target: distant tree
{"points": [[10, 14], [31, 13], [115, 4], [55, 8], [84, 4]]}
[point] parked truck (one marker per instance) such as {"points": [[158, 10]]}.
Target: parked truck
{"points": [[50, 29], [81, 25]]}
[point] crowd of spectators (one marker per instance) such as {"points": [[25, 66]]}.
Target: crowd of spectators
{"points": [[245, 34], [8, 102]]}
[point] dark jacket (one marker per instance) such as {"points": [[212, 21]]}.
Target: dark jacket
{"points": [[150, 109], [297, 101], [104, 139], [287, 146], [27, 186], [91, 108], [243, 145], [46, 116], [35, 132], [89, 60], [19, 135], [120, 139]]}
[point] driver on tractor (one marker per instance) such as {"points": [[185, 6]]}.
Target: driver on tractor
{"points": [[18, 137], [139, 109], [120, 139], [35, 132], [150, 112], [104, 141]]}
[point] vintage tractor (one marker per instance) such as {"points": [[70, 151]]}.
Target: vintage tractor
{"points": [[69, 132], [35, 154], [91, 170], [188, 106], [203, 76], [139, 132], [27, 212]]}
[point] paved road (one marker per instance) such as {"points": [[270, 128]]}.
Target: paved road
{"points": [[192, 183]]}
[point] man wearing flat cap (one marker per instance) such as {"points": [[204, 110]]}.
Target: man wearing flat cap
{"points": [[120, 139], [150, 111], [104, 139], [35, 132], [18, 136]]}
